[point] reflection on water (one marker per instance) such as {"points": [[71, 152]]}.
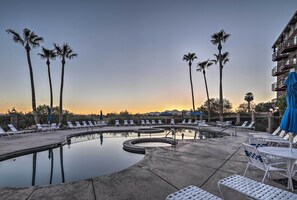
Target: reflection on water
{"points": [[81, 158]]}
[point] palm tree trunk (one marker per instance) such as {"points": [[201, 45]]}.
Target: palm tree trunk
{"points": [[36, 118], [249, 107], [193, 101], [207, 94], [61, 93], [221, 87], [50, 84]]}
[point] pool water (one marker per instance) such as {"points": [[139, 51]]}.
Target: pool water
{"points": [[82, 158]]}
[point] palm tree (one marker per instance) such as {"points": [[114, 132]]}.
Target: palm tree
{"points": [[48, 55], [64, 52], [201, 67], [249, 97], [29, 39], [218, 39], [190, 57]]}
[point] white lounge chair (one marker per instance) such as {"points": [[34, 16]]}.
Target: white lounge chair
{"points": [[147, 122], [249, 127], [54, 126], [43, 128], [143, 122], [184, 121], [85, 125], [131, 122], [78, 125], [153, 122], [70, 125], [160, 121], [3, 133], [242, 125], [117, 122], [126, 122], [15, 131], [172, 122], [189, 121]]}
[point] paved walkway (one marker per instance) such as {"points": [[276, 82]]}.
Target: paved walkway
{"points": [[161, 172]]}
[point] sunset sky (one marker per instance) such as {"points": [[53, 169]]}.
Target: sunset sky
{"points": [[130, 52]]}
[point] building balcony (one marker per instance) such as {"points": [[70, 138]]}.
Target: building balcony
{"points": [[277, 56], [278, 70], [279, 85], [289, 46]]}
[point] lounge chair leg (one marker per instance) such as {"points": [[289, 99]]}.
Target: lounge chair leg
{"points": [[219, 186], [247, 167]]}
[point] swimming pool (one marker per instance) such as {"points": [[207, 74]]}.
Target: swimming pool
{"points": [[82, 158]]}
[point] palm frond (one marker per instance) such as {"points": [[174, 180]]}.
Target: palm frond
{"points": [[26, 33], [15, 36], [71, 56]]}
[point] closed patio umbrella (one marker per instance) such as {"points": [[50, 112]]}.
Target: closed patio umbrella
{"points": [[101, 116], [289, 120]]}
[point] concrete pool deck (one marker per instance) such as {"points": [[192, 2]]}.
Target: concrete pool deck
{"points": [[162, 171]]}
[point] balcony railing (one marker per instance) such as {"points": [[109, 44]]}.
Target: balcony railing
{"points": [[289, 45], [276, 56], [279, 85]]}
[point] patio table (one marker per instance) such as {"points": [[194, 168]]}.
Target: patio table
{"points": [[290, 156]]}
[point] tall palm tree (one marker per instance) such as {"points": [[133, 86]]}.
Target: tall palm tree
{"points": [[217, 39], [190, 57], [47, 54], [249, 97], [29, 39], [64, 52], [201, 67]]}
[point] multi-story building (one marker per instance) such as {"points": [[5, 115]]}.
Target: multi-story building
{"points": [[285, 55]]}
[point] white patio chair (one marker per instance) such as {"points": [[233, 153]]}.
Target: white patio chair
{"points": [[78, 125], [160, 121], [126, 122], [70, 125], [189, 121], [153, 122], [172, 122], [117, 122], [131, 122], [142, 122], [43, 128], [147, 122], [262, 162], [15, 131]]}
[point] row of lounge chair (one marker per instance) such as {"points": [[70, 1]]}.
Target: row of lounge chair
{"points": [[13, 131], [84, 124], [196, 122], [142, 122]]}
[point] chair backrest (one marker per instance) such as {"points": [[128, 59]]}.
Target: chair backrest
{"points": [[39, 127], [12, 128], [84, 123], [117, 122], [90, 123], [70, 125], [189, 121], [126, 122], [78, 124], [251, 124], [159, 121], [254, 156], [244, 123], [172, 121], [295, 139], [258, 142], [276, 132], [131, 122], [142, 122], [147, 121], [282, 133], [1, 130], [184, 121], [286, 137]]}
